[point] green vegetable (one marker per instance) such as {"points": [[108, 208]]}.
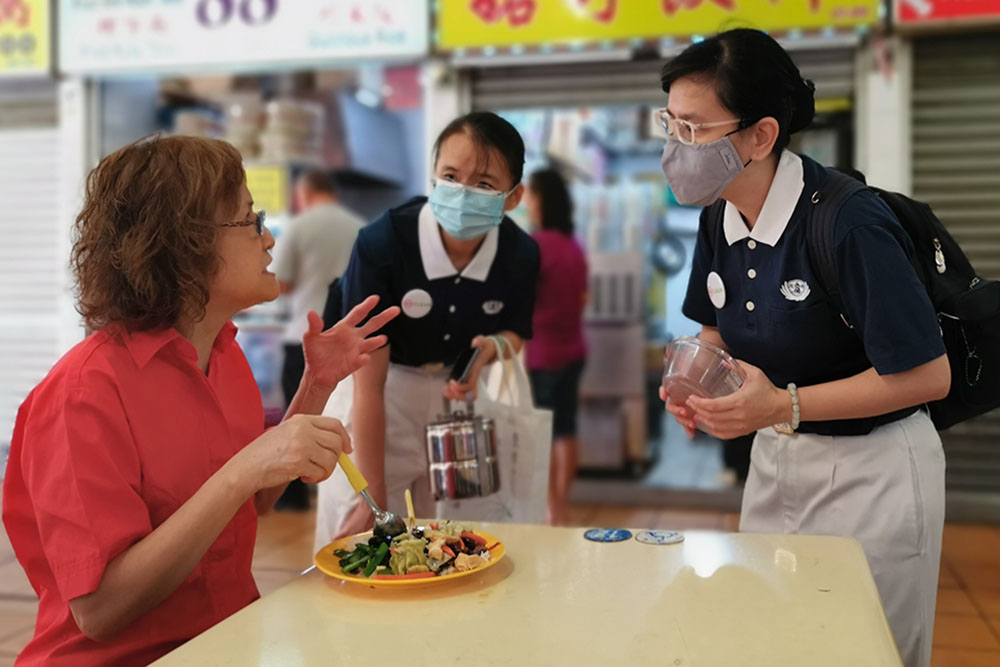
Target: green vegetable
{"points": [[359, 558], [351, 567], [376, 560], [361, 552]]}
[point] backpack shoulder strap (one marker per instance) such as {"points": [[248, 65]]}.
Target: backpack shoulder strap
{"points": [[827, 201]]}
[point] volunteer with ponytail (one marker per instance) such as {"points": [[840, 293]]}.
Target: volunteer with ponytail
{"points": [[842, 446], [461, 271]]}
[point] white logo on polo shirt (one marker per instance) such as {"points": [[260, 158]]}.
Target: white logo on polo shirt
{"points": [[492, 307], [416, 303], [795, 290]]}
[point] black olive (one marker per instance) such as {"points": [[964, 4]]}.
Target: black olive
{"points": [[418, 533], [470, 545]]}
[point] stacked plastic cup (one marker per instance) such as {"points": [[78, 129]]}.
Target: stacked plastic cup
{"points": [[695, 366]]}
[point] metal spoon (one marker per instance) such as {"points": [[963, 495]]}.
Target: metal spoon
{"points": [[387, 524]]}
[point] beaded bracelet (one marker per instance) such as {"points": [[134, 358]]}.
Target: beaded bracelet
{"points": [[789, 428], [794, 391]]}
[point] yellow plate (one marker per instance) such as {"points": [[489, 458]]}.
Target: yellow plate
{"points": [[329, 563]]}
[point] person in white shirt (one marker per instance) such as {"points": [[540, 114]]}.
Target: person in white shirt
{"points": [[311, 254]]}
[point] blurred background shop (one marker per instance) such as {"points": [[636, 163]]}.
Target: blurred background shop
{"points": [[334, 85], [907, 92]]}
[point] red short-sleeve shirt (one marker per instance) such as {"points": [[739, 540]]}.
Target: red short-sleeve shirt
{"points": [[123, 430]]}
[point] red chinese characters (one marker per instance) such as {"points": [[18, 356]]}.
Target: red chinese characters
{"points": [[671, 7], [516, 12], [15, 11], [605, 14], [106, 26], [360, 14]]}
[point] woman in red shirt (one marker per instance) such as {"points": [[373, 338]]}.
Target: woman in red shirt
{"points": [[139, 464], [557, 351]]}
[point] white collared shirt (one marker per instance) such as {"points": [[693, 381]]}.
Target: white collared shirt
{"points": [[435, 258], [786, 188]]}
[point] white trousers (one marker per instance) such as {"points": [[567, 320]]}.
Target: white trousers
{"points": [[412, 400], [885, 489]]}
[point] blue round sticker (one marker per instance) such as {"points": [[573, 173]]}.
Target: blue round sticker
{"points": [[607, 534]]}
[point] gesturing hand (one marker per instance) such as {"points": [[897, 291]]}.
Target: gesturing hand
{"points": [[345, 347]]}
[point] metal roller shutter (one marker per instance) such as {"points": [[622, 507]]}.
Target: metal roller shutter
{"points": [[33, 276], [956, 169], [28, 104], [627, 82]]}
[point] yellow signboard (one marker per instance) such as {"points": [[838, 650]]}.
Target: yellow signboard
{"points": [[269, 188], [486, 23], [24, 37]]}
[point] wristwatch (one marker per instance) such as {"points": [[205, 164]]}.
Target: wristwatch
{"points": [[788, 428]]}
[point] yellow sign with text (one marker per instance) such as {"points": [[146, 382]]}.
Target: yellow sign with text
{"points": [[25, 33], [269, 188], [483, 23]]}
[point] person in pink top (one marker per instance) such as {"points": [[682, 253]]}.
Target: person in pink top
{"points": [[557, 352]]}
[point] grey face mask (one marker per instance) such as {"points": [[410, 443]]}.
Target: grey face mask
{"points": [[699, 173]]}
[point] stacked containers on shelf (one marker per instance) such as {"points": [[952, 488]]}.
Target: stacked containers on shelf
{"points": [[294, 132], [196, 123], [244, 121]]}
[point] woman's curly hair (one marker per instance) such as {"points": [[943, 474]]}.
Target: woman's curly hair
{"points": [[144, 251]]}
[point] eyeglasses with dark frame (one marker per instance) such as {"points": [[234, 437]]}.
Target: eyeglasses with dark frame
{"points": [[258, 219]]}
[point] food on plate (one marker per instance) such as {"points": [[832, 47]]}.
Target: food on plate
{"points": [[439, 549], [465, 562]]}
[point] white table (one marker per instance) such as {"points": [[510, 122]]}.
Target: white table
{"points": [[557, 599]]}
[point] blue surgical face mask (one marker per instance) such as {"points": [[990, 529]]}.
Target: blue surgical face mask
{"points": [[466, 212]]}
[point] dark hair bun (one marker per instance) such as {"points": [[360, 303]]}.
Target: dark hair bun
{"points": [[803, 106]]}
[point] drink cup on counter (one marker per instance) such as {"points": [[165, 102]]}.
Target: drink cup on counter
{"points": [[695, 366]]}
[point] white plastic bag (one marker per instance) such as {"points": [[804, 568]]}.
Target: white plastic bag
{"points": [[524, 443]]}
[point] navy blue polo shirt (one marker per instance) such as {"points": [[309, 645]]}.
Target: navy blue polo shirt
{"points": [[401, 258], [774, 312]]}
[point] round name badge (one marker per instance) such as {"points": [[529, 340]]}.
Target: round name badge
{"points": [[607, 534], [716, 290], [659, 537], [416, 303]]}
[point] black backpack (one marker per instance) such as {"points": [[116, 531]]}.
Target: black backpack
{"points": [[968, 307]]}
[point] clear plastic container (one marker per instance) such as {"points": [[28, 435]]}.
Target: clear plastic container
{"points": [[695, 366]]}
